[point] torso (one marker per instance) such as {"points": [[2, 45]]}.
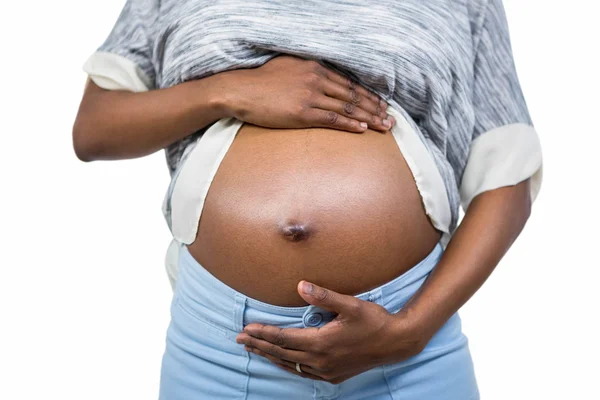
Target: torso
{"points": [[335, 208], [416, 53]]}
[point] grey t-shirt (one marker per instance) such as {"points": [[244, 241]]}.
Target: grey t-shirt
{"points": [[445, 65]]}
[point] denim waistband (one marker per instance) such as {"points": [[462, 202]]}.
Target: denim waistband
{"points": [[228, 309]]}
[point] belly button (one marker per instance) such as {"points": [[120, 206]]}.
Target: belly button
{"points": [[295, 232]]}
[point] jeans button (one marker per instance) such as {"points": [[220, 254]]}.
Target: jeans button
{"points": [[313, 319]]}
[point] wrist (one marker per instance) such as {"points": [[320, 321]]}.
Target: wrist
{"points": [[221, 93], [204, 100], [403, 339], [416, 326]]}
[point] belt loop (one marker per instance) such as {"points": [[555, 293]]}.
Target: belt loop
{"points": [[238, 312], [377, 296]]}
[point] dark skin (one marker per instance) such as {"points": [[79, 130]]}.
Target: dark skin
{"points": [[289, 92], [305, 219], [285, 92], [344, 347]]}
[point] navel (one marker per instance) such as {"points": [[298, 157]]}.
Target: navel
{"points": [[295, 232]]}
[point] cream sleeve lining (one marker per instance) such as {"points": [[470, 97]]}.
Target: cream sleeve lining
{"points": [[114, 72], [503, 156]]}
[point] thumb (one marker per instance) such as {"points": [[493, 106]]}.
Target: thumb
{"points": [[326, 298]]}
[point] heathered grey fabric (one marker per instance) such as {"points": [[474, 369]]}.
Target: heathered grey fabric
{"points": [[446, 64]]}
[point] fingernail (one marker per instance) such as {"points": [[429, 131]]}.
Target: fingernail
{"points": [[307, 287], [387, 123], [363, 125]]}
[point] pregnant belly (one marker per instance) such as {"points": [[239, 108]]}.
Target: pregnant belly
{"points": [[335, 208]]}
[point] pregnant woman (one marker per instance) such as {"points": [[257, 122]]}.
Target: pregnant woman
{"points": [[319, 153]]}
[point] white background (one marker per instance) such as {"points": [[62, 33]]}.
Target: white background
{"points": [[84, 296]]}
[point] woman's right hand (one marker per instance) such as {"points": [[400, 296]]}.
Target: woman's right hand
{"points": [[292, 92]]}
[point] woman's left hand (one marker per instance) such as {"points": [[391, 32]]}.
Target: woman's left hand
{"points": [[362, 336]]}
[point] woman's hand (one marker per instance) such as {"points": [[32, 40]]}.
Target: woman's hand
{"points": [[363, 335], [291, 92]]}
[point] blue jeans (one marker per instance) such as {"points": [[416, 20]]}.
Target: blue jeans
{"points": [[202, 360]]}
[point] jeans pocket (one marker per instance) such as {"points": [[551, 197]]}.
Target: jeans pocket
{"points": [[200, 361], [207, 324], [443, 370], [448, 336]]}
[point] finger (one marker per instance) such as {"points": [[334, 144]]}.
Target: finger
{"points": [[302, 339], [330, 300], [350, 110], [318, 117], [345, 93], [276, 351], [307, 371], [342, 107], [351, 84], [288, 365]]}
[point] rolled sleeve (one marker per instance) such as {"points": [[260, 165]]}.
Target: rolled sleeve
{"points": [[125, 60], [505, 147]]}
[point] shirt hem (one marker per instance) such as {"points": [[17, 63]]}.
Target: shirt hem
{"points": [[427, 177]]}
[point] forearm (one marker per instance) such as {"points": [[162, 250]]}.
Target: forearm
{"points": [[116, 124], [491, 224]]}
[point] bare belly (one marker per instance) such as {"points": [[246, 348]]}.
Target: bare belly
{"points": [[335, 208]]}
